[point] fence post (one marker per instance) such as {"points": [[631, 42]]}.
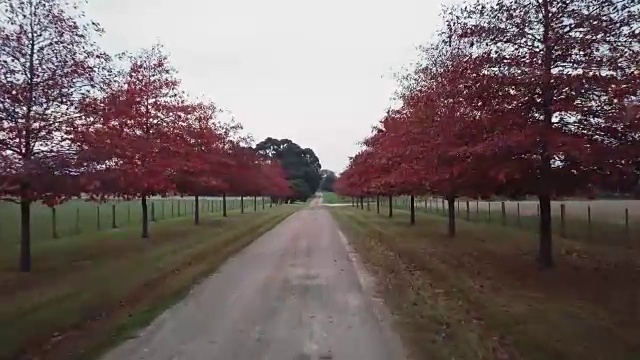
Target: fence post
{"points": [[563, 233], [589, 221], [626, 221], [77, 221], [468, 211], [504, 213], [98, 216], [113, 216], [458, 211], [518, 215], [54, 224], [489, 203]]}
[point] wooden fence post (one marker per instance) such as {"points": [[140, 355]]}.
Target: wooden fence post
{"points": [[563, 233], [54, 223]]}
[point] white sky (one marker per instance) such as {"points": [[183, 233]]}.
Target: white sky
{"points": [[318, 73]]}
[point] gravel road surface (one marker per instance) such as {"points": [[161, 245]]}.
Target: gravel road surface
{"points": [[297, 293]]}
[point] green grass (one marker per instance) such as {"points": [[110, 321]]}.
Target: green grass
{"points": [[85, 217], [579, 229], [481, 296], [333, 198], [88, 291]]}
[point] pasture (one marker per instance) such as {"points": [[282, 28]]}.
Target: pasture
{"points": [[608, 221], [84, 217]]}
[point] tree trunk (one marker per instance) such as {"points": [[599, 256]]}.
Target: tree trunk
{"points": [[196, 212], [25, 231], [451, 201], [241, 204], [224, 205], [54, 223], [377, 204], [413, 210], [545, 252], [255, 204], [545, 255], [145, 218], [361, 203], [390, 206], [368, 203]]}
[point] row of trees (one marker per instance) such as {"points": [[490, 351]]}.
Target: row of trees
{"points": [[76, 122], [514, 97]]}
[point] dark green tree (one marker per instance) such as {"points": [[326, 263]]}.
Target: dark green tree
{"points": [[328, 179], [301, 165]]}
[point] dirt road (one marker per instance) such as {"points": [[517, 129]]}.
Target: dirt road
{"points": [[296, 293]]}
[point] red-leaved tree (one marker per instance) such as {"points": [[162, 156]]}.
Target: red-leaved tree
{"points": [[48, 62]]}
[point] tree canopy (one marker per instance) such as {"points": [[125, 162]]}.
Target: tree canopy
{"points": [[328, 180], [301, 165]]}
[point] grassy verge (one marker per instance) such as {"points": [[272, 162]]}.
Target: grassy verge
{"points": [[88, 292], [480, 296]]}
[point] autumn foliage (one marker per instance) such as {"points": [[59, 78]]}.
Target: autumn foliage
{"points": [[514, 98], [77, 122]]}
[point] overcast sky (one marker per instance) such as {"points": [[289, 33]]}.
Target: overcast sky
{"points": [[316, 72]]}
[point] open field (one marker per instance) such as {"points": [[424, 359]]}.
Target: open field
{"points": [[81, 217], [333, 198], [610, 211], [480, 295], [603, 227], [88, 291]]}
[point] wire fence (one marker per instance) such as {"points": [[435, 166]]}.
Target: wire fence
{"points": [[80, 217], [605, 221]]}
